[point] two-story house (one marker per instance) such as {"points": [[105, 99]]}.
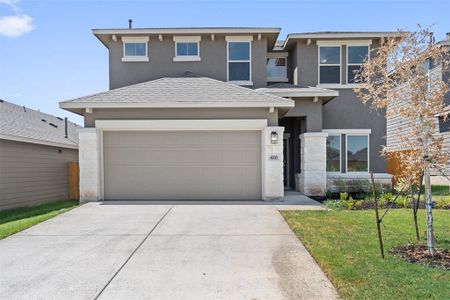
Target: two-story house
{"points": [[227, 113], [398, 127]]}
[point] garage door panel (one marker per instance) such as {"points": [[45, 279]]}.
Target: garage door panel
{"points": [[176, 138], [182, 165], [192, 156]]}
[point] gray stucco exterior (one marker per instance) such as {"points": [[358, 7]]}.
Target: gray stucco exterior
{"points": [[156, 87], [213, 62], [343, 112], [348, 112]]}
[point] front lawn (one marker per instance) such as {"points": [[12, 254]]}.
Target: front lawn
{"points": [[345, 245], [18, 219]]}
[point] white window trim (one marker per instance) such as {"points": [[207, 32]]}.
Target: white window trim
{"points": [[187, 39], [135, 39], [353, 64], [346, 153], [231, 39], [344, 42], [329, 65], [340, 153], [348, 131]]}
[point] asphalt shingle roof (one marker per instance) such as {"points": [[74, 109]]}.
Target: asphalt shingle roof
{"points": [[188, 90], [23, 122]]}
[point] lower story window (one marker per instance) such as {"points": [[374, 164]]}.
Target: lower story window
{"points": [[357, 153], [334, 153]]}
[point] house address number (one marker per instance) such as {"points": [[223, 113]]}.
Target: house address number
{"points": [[274, 157]]}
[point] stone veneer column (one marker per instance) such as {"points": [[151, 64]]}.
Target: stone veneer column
{"points": [[272, 165], [89, 165], [313, 176]]}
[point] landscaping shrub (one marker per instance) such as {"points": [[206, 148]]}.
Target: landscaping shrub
{"points": [[333, 204], [348, 202]]}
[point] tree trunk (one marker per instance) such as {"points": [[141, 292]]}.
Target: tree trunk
{"points": [[414, 208], [377, 216], [428, 200]]}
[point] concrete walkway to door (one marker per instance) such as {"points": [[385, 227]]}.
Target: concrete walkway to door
{"points": [[137, 250]]}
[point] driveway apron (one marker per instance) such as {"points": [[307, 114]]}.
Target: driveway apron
{"points": [[138, 250]]}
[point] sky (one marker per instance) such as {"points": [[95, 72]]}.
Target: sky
{"points": [[49, 54]]}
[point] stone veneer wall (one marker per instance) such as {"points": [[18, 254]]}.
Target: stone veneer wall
{"points": [[272, 166], [312, 180], [89, 165]]}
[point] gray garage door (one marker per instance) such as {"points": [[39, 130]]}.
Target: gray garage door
{"points": [[182, 165]]}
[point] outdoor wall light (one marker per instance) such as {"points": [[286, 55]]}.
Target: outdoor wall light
{"points": [[274, 137]]}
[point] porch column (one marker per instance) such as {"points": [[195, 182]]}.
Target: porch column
{"points": [[89, 164], [272, 164], [313, 176]]}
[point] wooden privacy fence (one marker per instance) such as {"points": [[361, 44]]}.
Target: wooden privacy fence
{"points": [[74, 181], [394, 165]]}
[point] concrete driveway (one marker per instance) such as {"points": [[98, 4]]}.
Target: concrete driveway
{"points": [[137, 250]]}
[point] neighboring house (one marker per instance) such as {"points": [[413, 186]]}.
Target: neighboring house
{"points": [[397, 127], [227, 113], [35, 149]]}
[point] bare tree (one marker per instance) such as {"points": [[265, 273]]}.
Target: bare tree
{"points": [[396, 78]]}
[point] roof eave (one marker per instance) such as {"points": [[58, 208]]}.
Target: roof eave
{"points": [[76, 106], [334, 36], [218, 30], [39, 142], [102, 34]]}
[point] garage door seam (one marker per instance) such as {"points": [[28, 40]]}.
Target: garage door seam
{"points": [[132, 253]]}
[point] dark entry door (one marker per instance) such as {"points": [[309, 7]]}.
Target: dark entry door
{"points": [[286, 158]]}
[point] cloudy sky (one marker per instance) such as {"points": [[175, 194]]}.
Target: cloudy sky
{"points": [[48, 53]]}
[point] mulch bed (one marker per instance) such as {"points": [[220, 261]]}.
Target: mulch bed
{"points": [[418, 253]]}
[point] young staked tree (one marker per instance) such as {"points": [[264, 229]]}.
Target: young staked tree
{"points": [[397, 78]]}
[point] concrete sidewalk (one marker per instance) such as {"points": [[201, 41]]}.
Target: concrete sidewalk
{"points": [[134, 250]]}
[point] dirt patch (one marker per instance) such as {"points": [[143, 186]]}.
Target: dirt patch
{"points": [[418, 253]]}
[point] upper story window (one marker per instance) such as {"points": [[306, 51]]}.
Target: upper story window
{"points": [[331, 58], [239, 59], [135, 48], [329, 64], [356, 56], [444, 125], [426, 69], [187, 48], [276, 68]]}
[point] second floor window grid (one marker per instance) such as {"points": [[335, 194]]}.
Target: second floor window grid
{"points": [[135, 49], [330, 65], [356, 56], [187, 49], [239, 61]]}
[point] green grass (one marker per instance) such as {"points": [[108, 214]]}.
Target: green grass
{"points": [[18, 219], [345, 245], [438, 190]]}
